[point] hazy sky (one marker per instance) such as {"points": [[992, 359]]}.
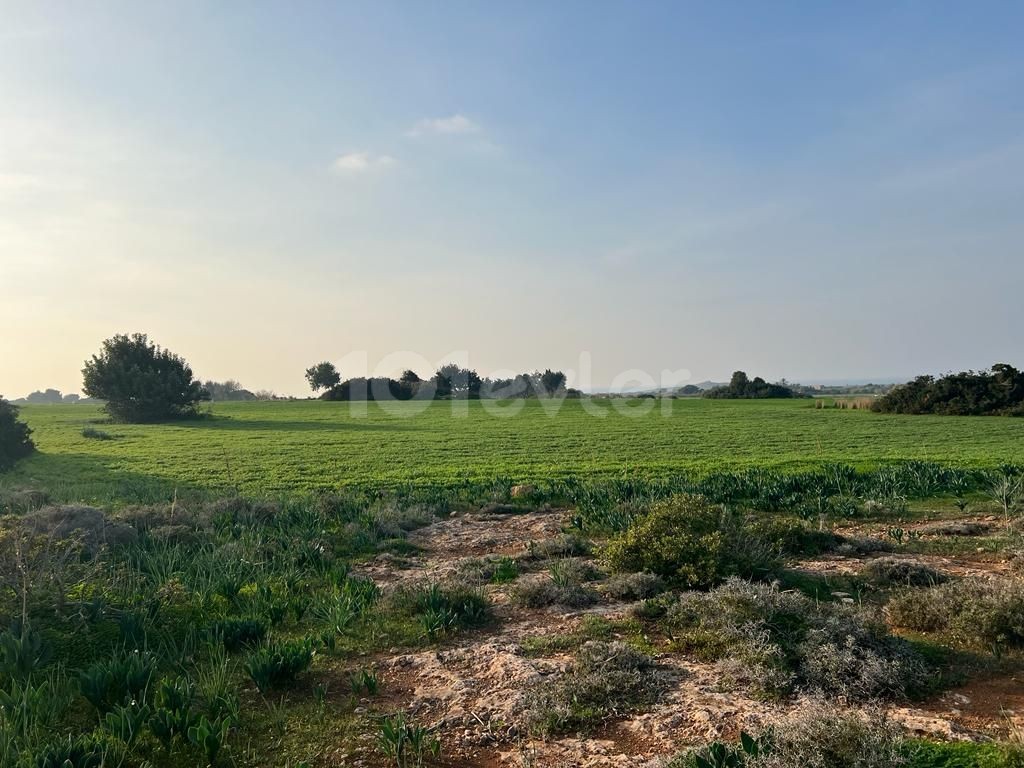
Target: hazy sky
{"points": [[810, 190]]}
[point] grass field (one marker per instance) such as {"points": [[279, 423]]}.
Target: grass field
{"points": [[288, 447]]}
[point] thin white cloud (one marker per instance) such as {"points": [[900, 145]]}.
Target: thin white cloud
{"points": [[361, 162], [455, 125]]}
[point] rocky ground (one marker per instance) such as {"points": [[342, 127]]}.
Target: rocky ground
{"points": [[472, 689]]}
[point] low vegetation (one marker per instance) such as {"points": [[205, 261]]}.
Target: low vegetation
{"points": [[773, 643], [975, 612], [604, 680], [693, 543], [814, 736]]}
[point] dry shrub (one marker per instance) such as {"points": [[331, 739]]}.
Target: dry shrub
{"points": [[900, 571], [634, 586], [974, 611], [604, 680], [774, 642], [815, 735], [86, 525], [956, 528]]}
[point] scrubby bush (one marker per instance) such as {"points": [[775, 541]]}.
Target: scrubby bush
{"points": [[814, 736], [605, 679], [899, 571], [540, 591], [91, 433], [956, 528], [634, 586], [492, 569], [15, 436], [695, 544], [861, 545], [564, 545], [974, 611], [774, 642]]}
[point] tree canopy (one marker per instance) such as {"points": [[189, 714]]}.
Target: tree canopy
{"points": [[998, 392], [742, 387], [141, 382], [15, 440], [322, 376]]}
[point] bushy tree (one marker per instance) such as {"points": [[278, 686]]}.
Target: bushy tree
{"points": [[969, 393], [227, 390], [410, 377], [742, 387], [452, 380], [323, 376], [552, 381], [381, 388], [15, 440], [141, 382]]}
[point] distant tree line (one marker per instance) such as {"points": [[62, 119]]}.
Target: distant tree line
{"points": [[449, 382], [997, 392], [231, 390], [15, 436], [51, 397], [741, 387]]}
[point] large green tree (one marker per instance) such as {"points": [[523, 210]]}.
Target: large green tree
{"points": [[323, 376], [141, 382], [15, 442]]}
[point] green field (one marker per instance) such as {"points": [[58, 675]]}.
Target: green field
{"points": [[287, 447]]}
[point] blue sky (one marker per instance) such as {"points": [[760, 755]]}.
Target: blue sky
{"points": [[809, 190]]}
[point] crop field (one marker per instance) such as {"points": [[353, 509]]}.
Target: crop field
{"points": [[292, 447]]}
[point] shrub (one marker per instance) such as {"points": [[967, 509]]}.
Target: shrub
{"points": [[278, 664], [974, 611], [119, 680], [634, 586], [15, 440], [814, 736], [91, 433], [141, 382], [690, 542], [956, 528], [89, 751], [565, 545], [605, 679], [774, 642], [897, 571], [237, 634]]}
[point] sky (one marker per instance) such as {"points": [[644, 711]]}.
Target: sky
{"points": [[796, 189]]}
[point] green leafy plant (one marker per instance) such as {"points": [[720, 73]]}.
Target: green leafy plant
{"points": [[210, 736], [279, 663], [406, 744], [123, 678], [237, 634], [126, 721], [365, 680], [22, 652]]}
